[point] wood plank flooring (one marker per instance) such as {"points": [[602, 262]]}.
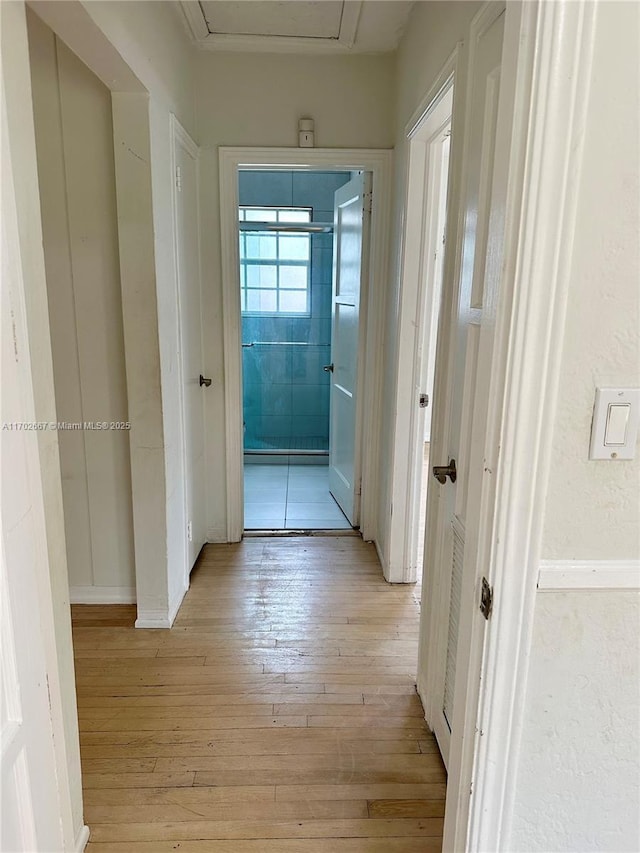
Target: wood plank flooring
{"points": [[279, 715]]}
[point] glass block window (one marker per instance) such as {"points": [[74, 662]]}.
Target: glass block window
{"points": [[275, 266]]}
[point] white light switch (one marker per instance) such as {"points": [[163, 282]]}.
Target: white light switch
{"points": [[614, 432], [616, 429]]}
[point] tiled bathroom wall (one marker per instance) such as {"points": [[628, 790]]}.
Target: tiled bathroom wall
{"points": [[286, 391]]}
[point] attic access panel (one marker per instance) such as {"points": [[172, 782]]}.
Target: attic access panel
{"points": [[306, 25], [266, 18]]}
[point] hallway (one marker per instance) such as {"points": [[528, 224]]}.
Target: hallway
{"points": [[277, 716]]}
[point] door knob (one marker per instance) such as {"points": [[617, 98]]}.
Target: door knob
{"points": [[441, 472], [328, 368], [204, 381]]}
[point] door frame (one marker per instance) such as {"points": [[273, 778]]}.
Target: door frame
{"points": [[417, 241], [179, 136], [39, 540], [549, 49], [379, 163], [546, 71]]}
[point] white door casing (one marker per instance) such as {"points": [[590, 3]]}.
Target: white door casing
{"points": [[421, 280], [190, 360], [378, 163], [351, 226], [31, 805], [547, 69]]}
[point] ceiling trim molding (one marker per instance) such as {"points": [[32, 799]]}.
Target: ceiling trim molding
{"points": [[194, 19], [198, 29]]}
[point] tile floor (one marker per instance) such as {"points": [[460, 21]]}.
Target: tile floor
{"points": [[290, 497]]}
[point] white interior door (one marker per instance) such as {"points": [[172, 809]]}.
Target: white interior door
{"points": [[190, 341], [465, 411], [350, 249], [437, 133], [30, 802]]}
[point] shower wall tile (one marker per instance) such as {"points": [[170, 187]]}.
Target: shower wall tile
{"points": [[323, 215], [266, 328], [314, 331], [319, 186], [269, 399], [267, 365], [272, 189], [305, 426], [312, 400], [321, 302], [307, 364], [276, 426]]}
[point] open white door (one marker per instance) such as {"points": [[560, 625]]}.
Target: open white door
{"points": [[188, 269], [352, 214], [467, 412]]}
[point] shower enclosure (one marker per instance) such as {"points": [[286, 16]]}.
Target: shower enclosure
{"points": [[286, 262]]}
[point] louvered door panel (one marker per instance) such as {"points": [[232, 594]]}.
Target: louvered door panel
{"points": [[457, 561]]}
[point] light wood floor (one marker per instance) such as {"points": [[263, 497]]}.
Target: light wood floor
{"points": [[278, 716]]}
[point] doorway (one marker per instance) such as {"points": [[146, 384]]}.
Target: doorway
{"points": [[433, 135], [428, 135], [301, 450], [286, 242]]}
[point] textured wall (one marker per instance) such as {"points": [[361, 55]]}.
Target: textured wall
{"points": [[578, 788], [593, 507]]}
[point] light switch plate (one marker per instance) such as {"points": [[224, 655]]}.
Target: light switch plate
{"points": [[614, 431]]}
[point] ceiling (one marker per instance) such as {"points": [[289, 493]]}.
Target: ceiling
{"points": [[296, 26]]}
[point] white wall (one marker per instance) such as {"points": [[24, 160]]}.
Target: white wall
{"points": [[141, 50], [592, 509], [152, 41], [256, 100], [74, 138], [578, 785], [578, 780]]}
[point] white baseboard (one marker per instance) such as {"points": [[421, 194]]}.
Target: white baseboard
{"points": [[102, 595], [383, 562], [160, 618], [82, 839], [217, 535], [152, 619], [556, 575], [174, 606]]}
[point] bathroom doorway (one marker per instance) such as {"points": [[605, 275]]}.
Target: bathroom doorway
{"points": [[361, 230], [287, 294]]}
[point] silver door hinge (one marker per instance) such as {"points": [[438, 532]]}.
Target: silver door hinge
{"points": [[179, 179], [358, 489], [486, 599], [367, 202], [424, 401]]}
